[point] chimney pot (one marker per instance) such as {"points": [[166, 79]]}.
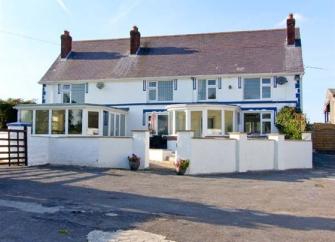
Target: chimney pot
{"points": [[66, 44], [290, 29], [135, 40]]}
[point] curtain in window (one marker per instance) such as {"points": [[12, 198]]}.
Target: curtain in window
{"points": [[252, 88], [202, 90], [165, 90]]}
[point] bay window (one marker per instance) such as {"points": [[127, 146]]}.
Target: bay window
{"points": [[257, 88], [93, 122], [207, 89], [26, 116], [214, 120], [160, 91]]}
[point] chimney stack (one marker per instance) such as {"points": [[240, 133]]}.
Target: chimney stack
{"points": [[135, 40], [290, 23], [66, 44]]}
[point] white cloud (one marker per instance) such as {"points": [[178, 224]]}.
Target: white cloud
{"points": [[299, 18], [124, 9], [63, 6]]}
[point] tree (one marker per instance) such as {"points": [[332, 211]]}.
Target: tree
{"points": [[291, 122], [7, 112]]}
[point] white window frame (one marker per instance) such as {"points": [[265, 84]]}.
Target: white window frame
{"points": [[261, 85], [271, 119], [156, 89], [207, 87]]}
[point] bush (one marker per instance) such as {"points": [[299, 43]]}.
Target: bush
{"points": [[291, 122], [7, 113]]}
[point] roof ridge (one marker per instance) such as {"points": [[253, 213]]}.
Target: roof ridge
{"points": [[183, 35]]}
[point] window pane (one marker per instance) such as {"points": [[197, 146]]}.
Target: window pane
{"points": [[180, 120], [112, 129], [58, 122], [196, 123], [202, 90], [152, 94], [266, 81], [152, 84], [252, 123], [162, 124], [266, 127], [266, 92], [42, 122], [211, 93], [165, 90], [93, 120], [26, 116], [66, 97], [122, 125], [214, 119], [78, 93], [266, 115], [228, 121], [211, 82], [252, 88], [75, 121]]}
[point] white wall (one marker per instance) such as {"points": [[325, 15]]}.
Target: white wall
{"points": [[213, 156], [240, 154], [109, 152]]}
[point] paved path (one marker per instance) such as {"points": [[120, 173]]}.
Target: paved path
{"points": [[68, 204]]}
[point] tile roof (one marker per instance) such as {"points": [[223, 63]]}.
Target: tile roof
{"points": [[243, 52]]}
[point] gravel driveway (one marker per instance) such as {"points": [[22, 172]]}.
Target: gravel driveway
{"points": [[69, 203]]}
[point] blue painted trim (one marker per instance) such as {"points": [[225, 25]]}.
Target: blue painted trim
{"points": [[259, 108], [149, 111], [194, 82], [275, 81], [227, 103], [175, 84], [239, 84], [144, 85], [219, 82]]}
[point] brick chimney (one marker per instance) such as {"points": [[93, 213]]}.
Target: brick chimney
{"points": [[66, 44], [290, 23], [135, 40]]}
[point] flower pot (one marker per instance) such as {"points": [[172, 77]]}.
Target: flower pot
{"points": [[180, 171], [134, 165]]}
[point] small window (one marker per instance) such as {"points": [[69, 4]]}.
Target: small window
{"points": [[207, 89], [160, 91]]}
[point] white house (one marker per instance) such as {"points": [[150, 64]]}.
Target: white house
{"points": [[211, 83]]}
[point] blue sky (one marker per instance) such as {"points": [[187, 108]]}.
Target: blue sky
{"points": [[23, 61]]}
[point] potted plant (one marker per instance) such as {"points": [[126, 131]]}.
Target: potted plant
{"points": [[181, 166], [134, 162]]}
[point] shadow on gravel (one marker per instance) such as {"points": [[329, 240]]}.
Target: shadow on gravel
{"points": [[90, 205]]}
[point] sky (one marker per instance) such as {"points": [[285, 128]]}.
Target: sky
{"points": [[30, 33]]}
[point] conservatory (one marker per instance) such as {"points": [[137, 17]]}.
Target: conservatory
{"points": [[73, 119], [203, 119]]}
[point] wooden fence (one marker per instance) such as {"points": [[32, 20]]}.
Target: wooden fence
{"points": [[323, 137]]}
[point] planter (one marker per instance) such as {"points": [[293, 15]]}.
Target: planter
{"points": [[134, 162], [134, 165], [180, 171]]}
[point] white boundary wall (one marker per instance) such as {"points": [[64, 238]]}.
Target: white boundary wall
{"points": [[240, 154], [109, 152]]}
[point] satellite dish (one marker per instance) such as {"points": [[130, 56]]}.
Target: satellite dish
{"points": [[100, 85], [281, 80]]}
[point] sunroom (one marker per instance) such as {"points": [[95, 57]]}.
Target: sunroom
{"points": [[74, 119], [203, 119]]}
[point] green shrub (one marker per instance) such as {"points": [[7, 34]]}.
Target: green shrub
{"points": [[291, 122]]}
